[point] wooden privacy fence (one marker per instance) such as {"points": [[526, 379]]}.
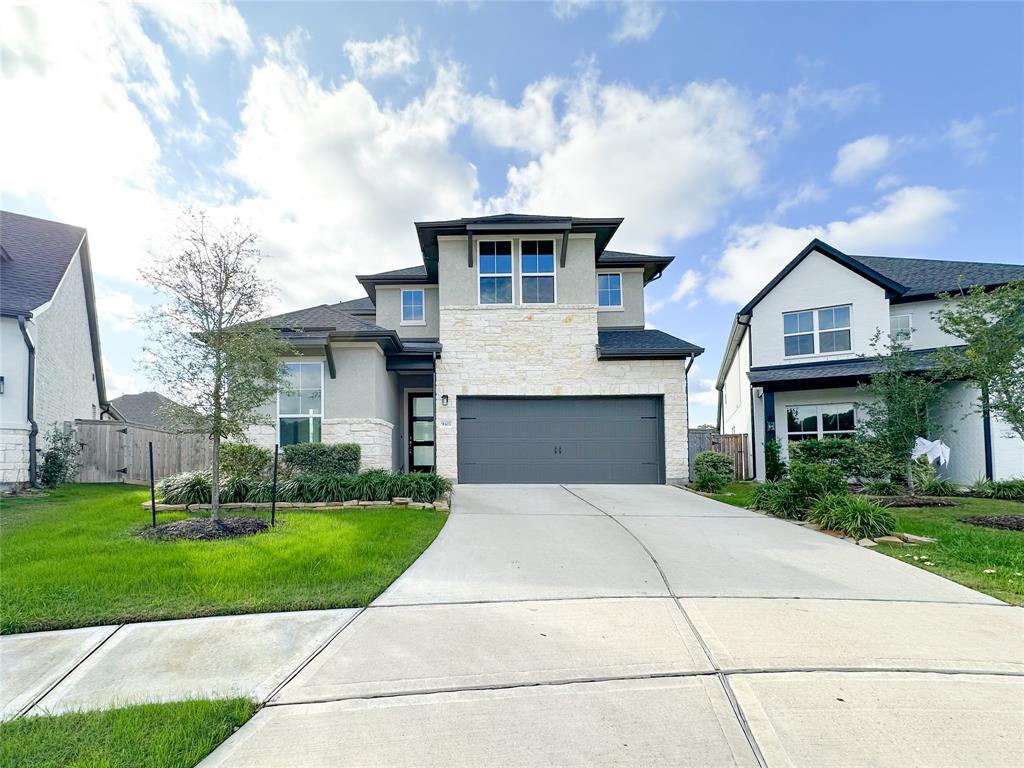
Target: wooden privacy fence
{"points": [[733, 446], [118, 452]]}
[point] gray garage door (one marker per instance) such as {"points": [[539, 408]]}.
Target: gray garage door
{"points": [[561, 440]]}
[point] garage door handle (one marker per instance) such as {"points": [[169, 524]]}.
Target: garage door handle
{"points": [[558, 449]]}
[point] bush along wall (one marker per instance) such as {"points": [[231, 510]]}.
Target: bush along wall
{"points": [[372, 485], [712, 471]]}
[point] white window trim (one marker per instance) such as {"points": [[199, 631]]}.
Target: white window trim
{"points": [[423, 293], [816, 332], [611, 307], [323, 399], [821, 434], [553, 274], [910, 326], [511, 275]]}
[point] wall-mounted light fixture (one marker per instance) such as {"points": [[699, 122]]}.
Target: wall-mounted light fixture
{"points": [[1, 385], [444, 400]]}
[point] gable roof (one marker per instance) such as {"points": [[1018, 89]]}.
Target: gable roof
{"points": [[415, 275], [141, 408], [362, 306], [641, 343], [36, 256], [653, 266], [923, 278]]}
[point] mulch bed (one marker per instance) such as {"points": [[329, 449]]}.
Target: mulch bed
{"points": [[204, 529], [1004, 522], [913, 501]]}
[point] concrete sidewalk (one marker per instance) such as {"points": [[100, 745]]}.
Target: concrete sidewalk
{"points": [[591, 625]]}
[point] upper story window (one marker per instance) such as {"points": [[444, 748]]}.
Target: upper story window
{"points": [[495, 271], [412, 307], [609, 290], [300, 403], [537, 270], [830, 325], [899, 328]]}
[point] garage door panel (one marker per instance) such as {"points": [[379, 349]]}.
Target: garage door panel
{"points": [[561, 440]]}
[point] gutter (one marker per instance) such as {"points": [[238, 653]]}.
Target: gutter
{"points": [[30, 402]]}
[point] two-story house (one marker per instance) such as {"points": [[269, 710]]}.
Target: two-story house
{"points": [[50, 361], [515, 353], [800, 348]]}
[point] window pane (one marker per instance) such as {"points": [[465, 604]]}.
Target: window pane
{"points": [[288, 402], [422, 431], [529, 247], [487, 265], [291, 377], [790, 324], [799, 345], [310, 378], [423, 406], [486, 248], [806, 321], [309, 401], [503, 264], [529, 264], [314, 427], [538, 290], [297, 430], [495, 290], [423, 455], [842, 317], [503, 248], [802, 418], [546, 263], [834, 341], [837, 418], [826, 319], [546, 247]]}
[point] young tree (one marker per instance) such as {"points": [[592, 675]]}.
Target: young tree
{"points": [[895, 411], [207, 346], [991, 324]]}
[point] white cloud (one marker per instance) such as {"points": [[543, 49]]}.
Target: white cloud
{"points": [[119, 383], [808, 192], [888, 181], [381, 58], [859, 158], [638, 21], [117, 308], [972, 137], [203, 27], [686, 285], [337, 178], [704, 394], [670, 173], [568, 9], [532, 126], [906, 219]]}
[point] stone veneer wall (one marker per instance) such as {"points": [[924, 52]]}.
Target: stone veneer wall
{"points": [[13, 458], [374, 437], [547, 351]]}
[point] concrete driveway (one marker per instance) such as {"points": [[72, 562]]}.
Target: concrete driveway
{"points": [[645, 625]]}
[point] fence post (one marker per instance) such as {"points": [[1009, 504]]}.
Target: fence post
{"points": [[273, 491], [152, 484]]}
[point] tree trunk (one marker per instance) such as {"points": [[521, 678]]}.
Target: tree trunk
{"points": [[910, 476], [215, 480]]}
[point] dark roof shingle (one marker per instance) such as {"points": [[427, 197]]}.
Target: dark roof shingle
{"points": [[856, 367], [641, 342], [141, 408], [924, 277], [37, 254]]}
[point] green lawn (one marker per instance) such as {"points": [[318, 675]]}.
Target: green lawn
{"points": [[147, 736], [737, 493], [964, 552], [72, 558]]}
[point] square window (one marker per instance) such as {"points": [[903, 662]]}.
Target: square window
{"points": [[538, 290], [899, 328], [834, 341], [412, 306], [800, 344]]}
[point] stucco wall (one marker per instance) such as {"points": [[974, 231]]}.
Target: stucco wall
{"points": [[574, 284], [632, 312], [65, 374], [14, 358], [545, 352], [818, 282], [960, 426], [389, 311], [736, 396], [1007, 452], [926, 333]]}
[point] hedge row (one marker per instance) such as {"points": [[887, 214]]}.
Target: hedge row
{"points": [[372, 485]]}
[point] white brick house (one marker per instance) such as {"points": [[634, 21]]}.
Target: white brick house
{"points": [[800, 348], [516, 352], [50, 370]]}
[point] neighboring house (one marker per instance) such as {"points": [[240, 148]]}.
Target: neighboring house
{"points": [[516, 352], [801, 347], [143, 408], [49, 338]]}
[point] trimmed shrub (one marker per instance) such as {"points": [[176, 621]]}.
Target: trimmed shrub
{"points": [[809, 482], [846, 453], [1007, 490], [713, 471], [938, 486], [60, 460], [854, 515], [774, 466], [245, 460], [323, 458]]}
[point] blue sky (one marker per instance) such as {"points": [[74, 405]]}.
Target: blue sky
{"points": [[727, 134]]}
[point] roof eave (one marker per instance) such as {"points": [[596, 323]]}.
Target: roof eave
{"points": [[647, 354]]}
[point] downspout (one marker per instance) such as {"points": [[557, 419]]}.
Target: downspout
{"points": [[31, 403], [986, 426], [433, 389]]}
